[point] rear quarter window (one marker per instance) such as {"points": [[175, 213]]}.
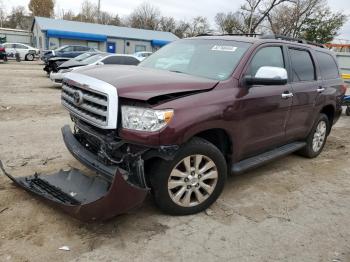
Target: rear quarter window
{"points": [[302, 65], [328, 66]]}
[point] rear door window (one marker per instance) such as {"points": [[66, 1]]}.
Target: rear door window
{"points": [[302, 65], [267, 56], [328, 66]]}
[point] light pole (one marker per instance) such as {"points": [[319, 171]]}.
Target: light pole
{"points": [[99, 11]]}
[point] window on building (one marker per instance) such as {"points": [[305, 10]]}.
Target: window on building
{"points": [[140, 48], [328, 66], [302, 65]]}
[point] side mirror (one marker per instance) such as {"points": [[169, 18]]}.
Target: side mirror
{"points": [[100, 63], [268, 75]]}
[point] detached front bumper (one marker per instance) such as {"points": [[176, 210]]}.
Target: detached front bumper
{"points": [[57, 77], [85, 197]]}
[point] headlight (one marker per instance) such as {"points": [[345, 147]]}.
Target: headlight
{"points": [[144, 119]]}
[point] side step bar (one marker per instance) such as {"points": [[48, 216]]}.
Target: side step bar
{"points": [[266, 157]]}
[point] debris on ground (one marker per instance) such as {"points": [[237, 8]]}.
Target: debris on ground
{"points": [[64, 248]]}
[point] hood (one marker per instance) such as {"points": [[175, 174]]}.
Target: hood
{"points": [[71, 63], [140, 83]]}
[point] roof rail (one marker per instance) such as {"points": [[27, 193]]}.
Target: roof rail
{"points": [[291, 39], [270, 36], [248, 35]]}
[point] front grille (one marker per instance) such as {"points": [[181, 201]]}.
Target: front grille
{"points": [[93, 107]]}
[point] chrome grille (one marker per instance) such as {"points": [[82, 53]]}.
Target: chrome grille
{"points": [[93, 106]]}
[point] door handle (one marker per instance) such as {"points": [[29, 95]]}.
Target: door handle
{"points": [[321, 89], [287, 95]]}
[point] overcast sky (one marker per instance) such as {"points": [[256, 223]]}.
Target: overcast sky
{"points": [[179, 9]]}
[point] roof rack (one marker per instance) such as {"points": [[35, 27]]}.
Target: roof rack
{"points": [[291, 39], [270, 36]]}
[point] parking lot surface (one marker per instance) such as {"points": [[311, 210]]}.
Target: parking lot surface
{"points": [[294, 209]]}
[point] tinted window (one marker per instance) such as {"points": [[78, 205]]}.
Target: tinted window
{"points": [[116, 60], [267, 56], [121, 60], [131, 61], [19, 46], [302, 65], [329, 68]]}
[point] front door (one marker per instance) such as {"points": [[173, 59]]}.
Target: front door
{"points": [[111, 47], [264, 109]]}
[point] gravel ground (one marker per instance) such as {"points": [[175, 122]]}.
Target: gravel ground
{"points": [[294, 209]]}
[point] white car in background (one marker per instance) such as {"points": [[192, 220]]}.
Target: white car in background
{"points": [[98, 59], [25, 52], [143, 55]]}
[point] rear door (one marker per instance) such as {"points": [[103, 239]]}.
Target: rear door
{"points": [[264, 111], [306, 85]]}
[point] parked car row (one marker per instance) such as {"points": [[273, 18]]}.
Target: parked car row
{"points": [[92, 59]]}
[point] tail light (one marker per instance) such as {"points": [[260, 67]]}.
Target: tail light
{"points": [[2, 49]]}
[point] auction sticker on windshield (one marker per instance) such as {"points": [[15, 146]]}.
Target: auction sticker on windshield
{"points": [[224, 48]]}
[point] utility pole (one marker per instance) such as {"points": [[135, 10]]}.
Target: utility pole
{"points": [[99, 11]]}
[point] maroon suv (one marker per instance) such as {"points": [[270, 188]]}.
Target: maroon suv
{"points": [[188, 116]]}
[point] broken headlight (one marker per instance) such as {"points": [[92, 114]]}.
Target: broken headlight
{"points": [[145, 119]]}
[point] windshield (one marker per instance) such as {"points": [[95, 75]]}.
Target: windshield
{"points": [[94, 58], [60, 48], [84, 56], [214, 59]]}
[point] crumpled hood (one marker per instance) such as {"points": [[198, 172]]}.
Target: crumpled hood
{"points": [[142, 83]]}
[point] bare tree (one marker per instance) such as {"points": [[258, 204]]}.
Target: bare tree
{"points": [[289, 18], [181, 29], [3, 14], [18, 18], [88, 12], [67, 15], [229, 23], [167, 24], [42, 7], [145, 16], [198, 25]]}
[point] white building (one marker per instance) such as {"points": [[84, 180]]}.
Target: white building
{"points": [[51, 33]]}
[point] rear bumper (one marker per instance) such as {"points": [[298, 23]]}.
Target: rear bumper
{"points": [[86, 197]]}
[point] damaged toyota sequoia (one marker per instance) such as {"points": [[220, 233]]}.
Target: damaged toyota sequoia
{"points": [[194, 112]]}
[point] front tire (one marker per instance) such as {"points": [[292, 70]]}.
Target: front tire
{"points": [[192, 181], [29, 57], [317, 137]]}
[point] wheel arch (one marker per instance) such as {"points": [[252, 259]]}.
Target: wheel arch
{"points": [[220, 138], [329, 111]]}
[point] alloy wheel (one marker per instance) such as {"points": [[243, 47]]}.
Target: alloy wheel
{"points": [[319, 136], [192, 180]]}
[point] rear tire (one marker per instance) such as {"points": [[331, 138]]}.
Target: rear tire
{"points": [[190, 182], [317, 138]]}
